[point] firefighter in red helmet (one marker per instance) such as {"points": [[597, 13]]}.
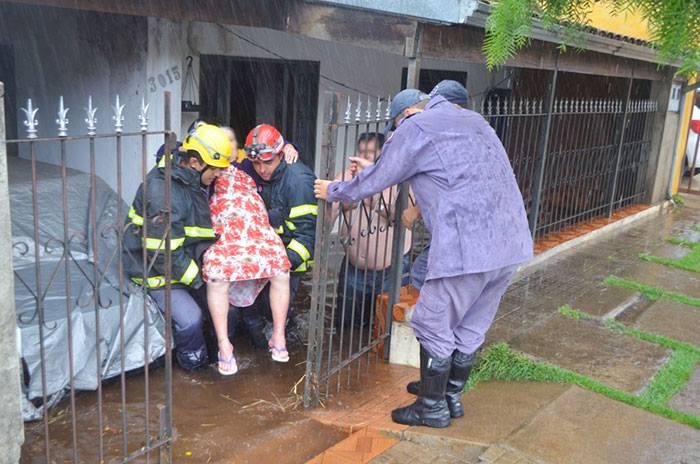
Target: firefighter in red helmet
{"points": [[288, 193]]}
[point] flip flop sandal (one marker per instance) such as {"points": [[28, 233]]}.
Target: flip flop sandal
{"points": [[230, 366], [280, 355]]}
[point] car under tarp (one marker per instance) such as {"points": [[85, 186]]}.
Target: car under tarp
{"points": [[77, 297]]}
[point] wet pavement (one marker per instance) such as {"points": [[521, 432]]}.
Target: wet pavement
{"points": [[551, 423], [256, 417], [251, 417]]}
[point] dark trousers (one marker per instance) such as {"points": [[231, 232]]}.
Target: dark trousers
{"points": [[358, 290]]}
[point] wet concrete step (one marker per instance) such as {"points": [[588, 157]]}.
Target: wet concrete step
{"points": [[616, 360], [667, 318], [688, 399], [583, 427]]}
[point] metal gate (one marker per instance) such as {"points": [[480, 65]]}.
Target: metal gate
{"points": [[92, 326], [593, 163]]}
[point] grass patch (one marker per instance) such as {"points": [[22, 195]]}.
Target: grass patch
{"points": [[500, 362], [696, 227], [677, 200], [653, 293], [689, 262], [673, 375]]}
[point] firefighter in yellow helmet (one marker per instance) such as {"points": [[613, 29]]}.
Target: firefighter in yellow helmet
{"points": [[204, 154]]}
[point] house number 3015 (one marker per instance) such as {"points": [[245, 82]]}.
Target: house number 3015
{"points": [[164, 79]]}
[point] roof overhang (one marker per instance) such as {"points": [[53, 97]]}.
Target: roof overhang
{"points": [[441, 12]]}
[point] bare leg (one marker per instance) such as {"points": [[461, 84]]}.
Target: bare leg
{"points": [[217, 297], [279, 305]]}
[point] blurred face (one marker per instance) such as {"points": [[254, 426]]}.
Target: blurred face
{"points": [[368, 150], [265, 169], [208, 175], [232, 139]]}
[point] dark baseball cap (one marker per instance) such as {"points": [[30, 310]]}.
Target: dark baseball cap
{"points": [[452, 91], [402, 100]]}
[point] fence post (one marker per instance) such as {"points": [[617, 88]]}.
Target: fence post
{"points": [[10, 392], [413, 51], [542, 148], [620, 146], [317, 312]]}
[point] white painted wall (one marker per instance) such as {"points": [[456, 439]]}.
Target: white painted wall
{"points": [[77, 54]]}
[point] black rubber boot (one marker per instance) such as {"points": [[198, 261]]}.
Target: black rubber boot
{"points": [[459, 374], [430, 408]]}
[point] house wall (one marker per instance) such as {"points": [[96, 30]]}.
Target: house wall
{"points": [[366, 70], [77, 54]]}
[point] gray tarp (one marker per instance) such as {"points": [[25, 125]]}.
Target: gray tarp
{"points": [[53, 289]]}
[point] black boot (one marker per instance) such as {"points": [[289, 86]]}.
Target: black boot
{"points": [[461, 368], [459, 374], [430, 408]]}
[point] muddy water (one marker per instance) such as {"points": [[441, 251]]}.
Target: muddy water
{"points": [[253, 416]]}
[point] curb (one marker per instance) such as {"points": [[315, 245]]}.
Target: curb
{"points": [[604, 231]]}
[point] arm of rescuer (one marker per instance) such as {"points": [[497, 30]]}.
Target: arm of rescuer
{"points": [[397, 164], [185, 270], [301, 222]]}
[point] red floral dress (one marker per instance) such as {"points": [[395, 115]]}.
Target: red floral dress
{"points": [[249, 252]]}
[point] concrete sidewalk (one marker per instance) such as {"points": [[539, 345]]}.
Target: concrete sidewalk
{"points": [[510, 422]]}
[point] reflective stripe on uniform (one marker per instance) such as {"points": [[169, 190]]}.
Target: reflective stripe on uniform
{"points": [[159, 244], [299, 249], [151, 282], [280, 230], [159, 281], [290, 225], [303, 210], [205, 232], [135, 218], [190, 273]]}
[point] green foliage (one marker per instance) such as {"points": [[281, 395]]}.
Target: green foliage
{"points": [[689, 262], [653, 293], [499, 362], [673, 375], [677, 200], [674, 26]]}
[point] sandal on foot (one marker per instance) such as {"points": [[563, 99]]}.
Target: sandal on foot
{"points": [[227, 366], [280, 355]]}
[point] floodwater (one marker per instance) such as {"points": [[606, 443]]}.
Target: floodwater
{"points": [[255, 416]]}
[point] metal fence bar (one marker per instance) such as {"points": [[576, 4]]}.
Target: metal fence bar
{"points": [[623, 127], [122, 284], [318, 302], [542, 153]]}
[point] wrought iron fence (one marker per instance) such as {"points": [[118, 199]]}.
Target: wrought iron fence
{"points": [[595, 162], [591, 166], [88, 321]]}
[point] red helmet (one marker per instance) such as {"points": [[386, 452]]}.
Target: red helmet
{"points": [[264, 142]]}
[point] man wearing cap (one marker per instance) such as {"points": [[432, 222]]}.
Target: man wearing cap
{"points": [[457, 94], [471, 204]]}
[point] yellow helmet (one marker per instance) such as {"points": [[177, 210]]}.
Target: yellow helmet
{"points": [[212, 144]]}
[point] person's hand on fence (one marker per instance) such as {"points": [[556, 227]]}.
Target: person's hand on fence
{"points": [[321, 188], [357, 165], [409, 216], [291, 155]]}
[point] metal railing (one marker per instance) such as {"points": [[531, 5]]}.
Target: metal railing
{"points": [[594, 162], [80, 268]]}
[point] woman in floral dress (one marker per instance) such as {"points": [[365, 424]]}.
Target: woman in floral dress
{"points": [[247, 256]]}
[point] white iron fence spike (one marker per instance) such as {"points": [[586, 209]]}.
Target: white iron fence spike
{"points": [[30, 122], [91, 119], [118, 117], [143, 115], [62, 120]]}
